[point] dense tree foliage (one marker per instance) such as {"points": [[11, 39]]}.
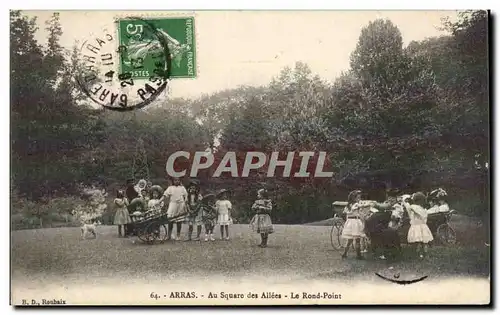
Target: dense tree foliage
{"points": [[412, 117]]}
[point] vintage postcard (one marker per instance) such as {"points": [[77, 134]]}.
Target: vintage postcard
{"points": [[250, 158]]}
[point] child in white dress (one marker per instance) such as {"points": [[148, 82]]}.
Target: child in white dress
{"points": [[419, 233], [224, 207], [353, 229], [154, 204], [176, 196]]}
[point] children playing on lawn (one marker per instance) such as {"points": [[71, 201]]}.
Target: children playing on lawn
{"points": [[419, 233], [261, 222], [223, 207]]}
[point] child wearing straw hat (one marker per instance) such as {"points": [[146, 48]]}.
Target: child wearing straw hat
{"points": [[437, 200]]}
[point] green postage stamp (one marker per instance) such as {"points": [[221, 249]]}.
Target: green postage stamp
{"points": [[137, 53]]}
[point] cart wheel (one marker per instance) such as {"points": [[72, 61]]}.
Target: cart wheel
{"points": [[336, 235], [145, 236], [157, 232], [446, 234]]}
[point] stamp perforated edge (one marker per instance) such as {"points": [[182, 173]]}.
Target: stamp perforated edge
{"points": [[157, 15]]}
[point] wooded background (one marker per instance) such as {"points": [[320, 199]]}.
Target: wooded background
{"points": [[414, 118]]}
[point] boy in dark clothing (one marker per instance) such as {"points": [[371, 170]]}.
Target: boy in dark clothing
{"points": [[131, 194]]}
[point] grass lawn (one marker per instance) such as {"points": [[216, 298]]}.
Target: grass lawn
{"points": [[303, 253]]}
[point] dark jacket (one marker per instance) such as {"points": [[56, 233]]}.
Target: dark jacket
{"points": [[131, 193]]}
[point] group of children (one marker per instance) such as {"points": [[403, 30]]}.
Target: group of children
{"points": [[187, 206], [414, 206]]}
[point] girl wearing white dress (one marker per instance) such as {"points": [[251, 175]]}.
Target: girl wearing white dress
{"points": [[353, 229], [176, 196], [224, 207], [419, 233]]}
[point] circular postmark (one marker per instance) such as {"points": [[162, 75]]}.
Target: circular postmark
{"points": [[126, 71]]}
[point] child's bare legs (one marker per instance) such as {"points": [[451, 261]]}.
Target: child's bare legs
{"points": [[346, 249], [212, 227], [263, 237], [425, 248], [227, 231], [198, 231], [363, 245], [179, 227], [190, 231], [423, 251], [358, 248], [209, 230], [170, 230], [418, 248], [119, 230]]}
